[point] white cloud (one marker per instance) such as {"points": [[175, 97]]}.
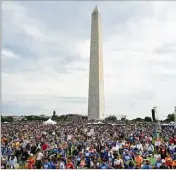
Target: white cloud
{"points": [[139, 58], [7, 54]]}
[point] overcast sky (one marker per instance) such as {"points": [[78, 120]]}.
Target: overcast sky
{"points": [[45, 57]]}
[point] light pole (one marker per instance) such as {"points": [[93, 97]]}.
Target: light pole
{"points": [[159, 125]]}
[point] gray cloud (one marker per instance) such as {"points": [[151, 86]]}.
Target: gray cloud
{"points": [[52, 42]]}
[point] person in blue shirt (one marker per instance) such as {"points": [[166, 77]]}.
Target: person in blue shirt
{"points": [[95, 154], [158, 163], [145, 154], [87, 156], [46, 164], [131, 139], [53, 165], [106, 155], [127, 158], [78, 160], [147, 165], [104, 165], [102, 154]]}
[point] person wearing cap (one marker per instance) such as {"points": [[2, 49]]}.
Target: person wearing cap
{"points": [[146, 165]]}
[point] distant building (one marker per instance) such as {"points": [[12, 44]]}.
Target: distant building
{"points": [[16, 118], [54, 113]]}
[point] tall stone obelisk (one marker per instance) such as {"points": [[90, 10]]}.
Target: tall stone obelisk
{"points": [[96, 82]]}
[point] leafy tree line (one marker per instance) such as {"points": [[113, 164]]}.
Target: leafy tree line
{"points": [[6, 119], [112, 118]]}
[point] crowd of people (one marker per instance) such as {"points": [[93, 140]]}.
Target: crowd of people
{"points": [[83, 145]]}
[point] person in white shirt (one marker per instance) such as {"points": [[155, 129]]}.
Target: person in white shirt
{"points": [[157, 143], [139, 146], [118, 162], [12, 162], [39, 159], [61, 164], [157, 156], [150, 148]]}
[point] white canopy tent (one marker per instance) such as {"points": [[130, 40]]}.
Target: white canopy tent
{"points": [[6, 122], [49, 122]]}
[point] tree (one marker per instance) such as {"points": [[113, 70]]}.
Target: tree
{"points": [[61, 118], [111, 118], [6, 119], [148, 119], [170, 118], [123, 117], [10, 119], [29, 118], [138, 119]]}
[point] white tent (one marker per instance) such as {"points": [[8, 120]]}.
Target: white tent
{"points": [[6, 122], [49, 122]]}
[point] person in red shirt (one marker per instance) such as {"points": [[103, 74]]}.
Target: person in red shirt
{"points": [[69, 164], [31, 162], [82, 163], [171, 141], [44, 146], [175, 140]]}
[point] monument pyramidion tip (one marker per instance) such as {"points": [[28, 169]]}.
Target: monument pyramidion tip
{"points": [[95, 10]]}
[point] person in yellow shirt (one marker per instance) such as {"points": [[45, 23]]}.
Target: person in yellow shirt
{"points": [[17, 144]]}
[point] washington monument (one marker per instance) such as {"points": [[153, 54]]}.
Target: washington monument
{"points": [[96, 81]]}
